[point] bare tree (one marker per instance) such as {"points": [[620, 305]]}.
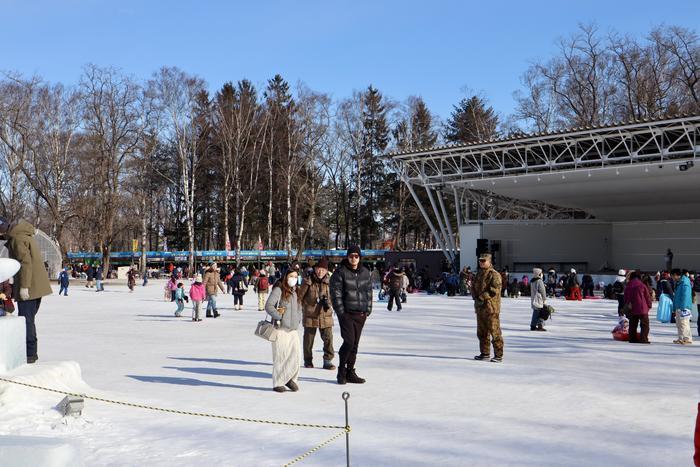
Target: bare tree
{"points": [[684, 46], [314, 119], [176, 93], [240, 124], [536, 104], [581, 79], [349, 128], [144, 168], [50, 167], [17, 97], [111, 120]]}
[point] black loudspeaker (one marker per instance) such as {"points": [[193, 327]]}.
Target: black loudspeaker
{"points": [[482, 246]]}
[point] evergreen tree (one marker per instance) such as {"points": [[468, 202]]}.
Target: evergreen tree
{"points": [[471, 120], [413, 132], [372, 186], [280, 105]]}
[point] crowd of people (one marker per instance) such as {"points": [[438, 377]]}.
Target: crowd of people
{"points": [[295, 296]]}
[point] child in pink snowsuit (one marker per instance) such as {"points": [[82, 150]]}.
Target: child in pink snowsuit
{"points": [[197, 293]]}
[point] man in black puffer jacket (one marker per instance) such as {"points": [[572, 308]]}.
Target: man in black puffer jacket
{"points": [[351, 294]]}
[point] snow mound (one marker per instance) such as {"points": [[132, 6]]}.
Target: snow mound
{"points": [[62, 376], [34, 451], [23, 408]]}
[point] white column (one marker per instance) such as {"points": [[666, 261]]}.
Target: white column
{"points": [[468, 235]]}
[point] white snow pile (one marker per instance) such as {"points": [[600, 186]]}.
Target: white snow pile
{"points": [[570, 396], [25, 409]]}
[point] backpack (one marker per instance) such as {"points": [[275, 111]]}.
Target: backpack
{"points": [[263, 284], [618, 288]]}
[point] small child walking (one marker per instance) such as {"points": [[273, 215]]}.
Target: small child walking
{"points": [[64, 281], [179, 299], [197, 294]]}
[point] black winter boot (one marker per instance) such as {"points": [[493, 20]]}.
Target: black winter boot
{"points": [[216, 313], [342, 379], [292, 386], [353, 378]]}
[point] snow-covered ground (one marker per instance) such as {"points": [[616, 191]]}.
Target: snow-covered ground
{"points": [[570, 396]]}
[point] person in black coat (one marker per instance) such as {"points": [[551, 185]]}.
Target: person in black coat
{"points": [[90, 272], [395, 280], [351, 295], [587, 285], [239, 287]]}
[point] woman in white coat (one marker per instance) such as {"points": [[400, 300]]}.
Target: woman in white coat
{"points": [[282, 305]]}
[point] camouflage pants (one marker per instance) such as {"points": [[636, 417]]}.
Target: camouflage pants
{"points": [[488, 324]]}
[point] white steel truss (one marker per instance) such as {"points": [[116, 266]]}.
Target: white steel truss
{"points": [[451, 169]]}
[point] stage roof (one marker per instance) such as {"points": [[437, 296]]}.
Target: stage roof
{"points": [[624, 193], [644, 170]]}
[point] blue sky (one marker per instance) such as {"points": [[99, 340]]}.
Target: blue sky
{"points": [[435, 49]]}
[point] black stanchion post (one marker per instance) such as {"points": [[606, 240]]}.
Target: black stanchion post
{"points": [[346, 396]]}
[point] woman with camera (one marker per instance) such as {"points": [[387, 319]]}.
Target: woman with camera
{"points": [[318, 314], [283, 306]]}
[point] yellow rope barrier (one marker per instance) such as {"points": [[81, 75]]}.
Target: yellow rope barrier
{"points": [[175, 411], [346, 429], [320, 446]]}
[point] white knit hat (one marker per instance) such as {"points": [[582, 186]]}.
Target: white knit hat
{"points": [[537, 272], [621, 272]]}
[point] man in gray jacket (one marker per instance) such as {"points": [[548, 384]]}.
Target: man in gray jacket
{"points": [[351, 295]]}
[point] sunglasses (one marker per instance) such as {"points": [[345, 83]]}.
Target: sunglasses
{"points": [[482, 260]]}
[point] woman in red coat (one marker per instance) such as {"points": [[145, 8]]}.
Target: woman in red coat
{"points": [[638, 303]]}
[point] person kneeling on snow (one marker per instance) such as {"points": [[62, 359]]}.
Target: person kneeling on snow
{"points": [[621, 331]]}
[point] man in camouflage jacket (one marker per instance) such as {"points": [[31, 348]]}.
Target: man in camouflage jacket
{"points": [[486, 291]]}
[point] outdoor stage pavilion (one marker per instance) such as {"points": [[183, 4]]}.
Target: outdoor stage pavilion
{"points": [[596, 198]]}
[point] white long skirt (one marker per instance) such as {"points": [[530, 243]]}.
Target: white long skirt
{"points": [[286, 357]]}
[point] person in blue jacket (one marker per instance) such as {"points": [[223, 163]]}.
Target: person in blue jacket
{"points": [[682, 303], [64, 281]]}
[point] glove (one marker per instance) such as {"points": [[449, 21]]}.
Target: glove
{"points": [[2, 297], [24, 293]]}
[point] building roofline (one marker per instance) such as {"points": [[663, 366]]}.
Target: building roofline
{"points": [[543, 137]]}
